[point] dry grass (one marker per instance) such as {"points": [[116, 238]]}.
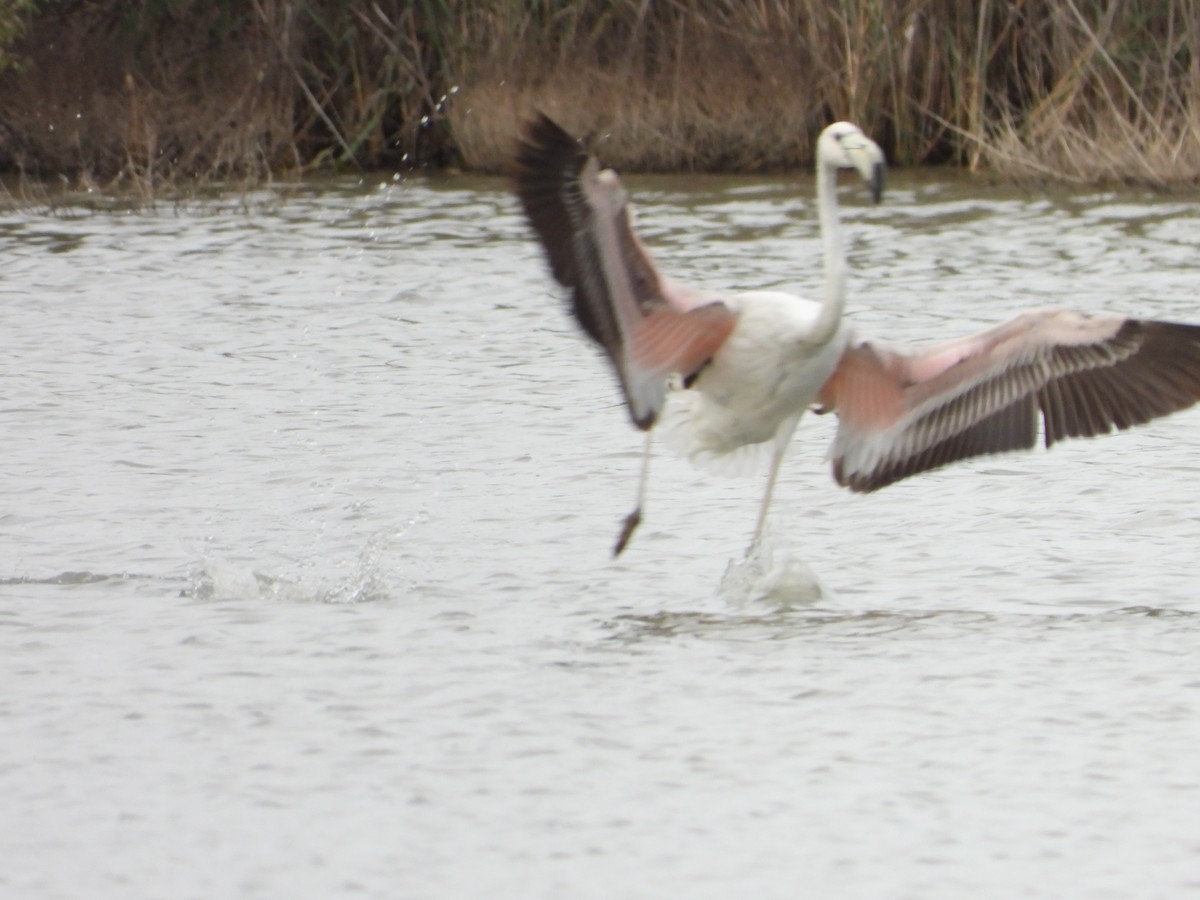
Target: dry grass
{"points": [[1106, 90], [117, 113], [144, 91]]}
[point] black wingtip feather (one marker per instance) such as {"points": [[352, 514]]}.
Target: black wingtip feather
{"points": [[548, 172], [547, 159]]}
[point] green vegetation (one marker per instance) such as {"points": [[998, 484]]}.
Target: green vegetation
{"points": [[140, 91], [14, 17]]}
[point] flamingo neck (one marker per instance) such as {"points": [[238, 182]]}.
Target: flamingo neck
{"points": [[834, 300]]}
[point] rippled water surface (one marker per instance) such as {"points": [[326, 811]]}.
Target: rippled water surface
{"points": [[305, 589]]}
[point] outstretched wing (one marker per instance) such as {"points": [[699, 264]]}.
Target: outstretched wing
{"points": [[903, 412], [648, 328]]}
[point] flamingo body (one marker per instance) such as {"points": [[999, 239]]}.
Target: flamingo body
{"points": [[755, 387]]}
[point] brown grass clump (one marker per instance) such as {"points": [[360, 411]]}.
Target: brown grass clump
{"points": [[1085, 91], [145, 90], [91, 103], [1109, 92]]}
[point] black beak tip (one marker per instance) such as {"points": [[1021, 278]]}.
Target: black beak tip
{"points": [[877, 183]]}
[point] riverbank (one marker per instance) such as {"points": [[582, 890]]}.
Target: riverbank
{"points": [[153, 92]]}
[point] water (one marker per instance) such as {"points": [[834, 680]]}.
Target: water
{"points": [[305, 588]]}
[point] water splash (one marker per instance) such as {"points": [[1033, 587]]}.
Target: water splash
{"points": [[216, 579], [375, 575], [372, 578], [767, 577]]}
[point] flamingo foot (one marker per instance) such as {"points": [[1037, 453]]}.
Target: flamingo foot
{"points": [[632, 521]]}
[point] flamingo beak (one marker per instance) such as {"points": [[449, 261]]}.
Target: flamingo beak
{"points": [[875, 182], [867, 158]]}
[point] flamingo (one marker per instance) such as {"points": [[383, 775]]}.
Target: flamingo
{"points": [[730, 375]]}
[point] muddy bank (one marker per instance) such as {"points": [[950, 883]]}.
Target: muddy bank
{"points": [[156, 91]]}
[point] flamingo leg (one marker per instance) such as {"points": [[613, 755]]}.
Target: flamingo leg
{"points": [[782, 438], [635, 518]]}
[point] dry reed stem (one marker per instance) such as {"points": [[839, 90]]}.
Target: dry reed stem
{"points": [[1104, 90]]}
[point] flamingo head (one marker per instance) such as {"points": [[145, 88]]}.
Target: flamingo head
{"points": [[844, 146]]}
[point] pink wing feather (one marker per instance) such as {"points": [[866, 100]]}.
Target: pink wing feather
{"points": [[907, 411]]}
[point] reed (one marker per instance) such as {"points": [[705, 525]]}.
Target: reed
{"points": [[146, 91]]}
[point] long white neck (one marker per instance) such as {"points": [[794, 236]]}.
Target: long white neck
{"points": [[834, 300]]}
